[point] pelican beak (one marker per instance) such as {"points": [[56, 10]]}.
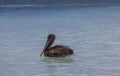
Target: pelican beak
{"points": [[48, 43], [45, 47]]}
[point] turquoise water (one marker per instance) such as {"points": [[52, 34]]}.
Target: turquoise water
{"points": [[93, 33]]}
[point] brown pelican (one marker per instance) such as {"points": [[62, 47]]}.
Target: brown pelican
{"points": [[57, 50]]}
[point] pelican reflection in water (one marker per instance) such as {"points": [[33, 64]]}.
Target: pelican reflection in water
{"points": [[57, 50]]}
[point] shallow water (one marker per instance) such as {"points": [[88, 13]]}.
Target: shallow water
{"points": [[93, 33]]}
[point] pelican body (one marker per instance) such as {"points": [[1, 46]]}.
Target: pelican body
{"points": [[57, 50]]}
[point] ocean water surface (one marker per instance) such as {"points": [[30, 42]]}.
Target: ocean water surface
{"points": [[93, 33]]}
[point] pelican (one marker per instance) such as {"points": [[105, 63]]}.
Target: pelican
{"points": [[57, 50]]}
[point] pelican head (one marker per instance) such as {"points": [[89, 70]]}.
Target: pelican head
{"points": [[49, 42]]}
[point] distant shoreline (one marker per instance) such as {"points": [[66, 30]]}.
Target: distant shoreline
{"points": [[54, 5]]}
